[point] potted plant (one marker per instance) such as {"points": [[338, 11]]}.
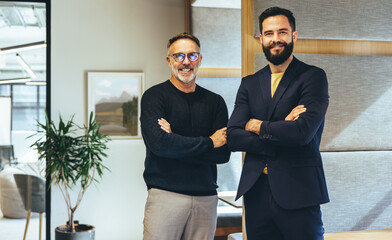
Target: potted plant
{"points": [[73, 157]]}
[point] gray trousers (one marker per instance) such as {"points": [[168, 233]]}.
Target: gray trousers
{"points": [[173, 216]]}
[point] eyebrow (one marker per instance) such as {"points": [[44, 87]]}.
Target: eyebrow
{"points": [[281, 29]]}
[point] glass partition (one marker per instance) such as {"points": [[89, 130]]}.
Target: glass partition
{"points": [[23, 67]]}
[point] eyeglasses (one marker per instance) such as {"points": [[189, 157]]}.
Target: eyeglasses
{"points": [[180, 57]]}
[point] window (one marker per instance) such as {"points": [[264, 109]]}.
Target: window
{"points": [[5, 90], [28, 106]]}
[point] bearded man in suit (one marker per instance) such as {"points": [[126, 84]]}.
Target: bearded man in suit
{"points": [[278, 121]]}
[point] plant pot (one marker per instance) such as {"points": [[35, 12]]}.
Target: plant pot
{"points": [[82, 232]]}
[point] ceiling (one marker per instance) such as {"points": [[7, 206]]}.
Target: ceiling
{"points": [[20, 24]]}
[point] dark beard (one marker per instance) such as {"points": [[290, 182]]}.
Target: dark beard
{"points": [[279, 58]]}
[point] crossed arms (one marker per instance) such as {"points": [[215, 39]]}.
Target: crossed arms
{"points": [[262, 136], [254, 125], [218, 138], [162, 142]]}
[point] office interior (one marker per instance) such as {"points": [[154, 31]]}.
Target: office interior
{"points": [[350, 40]]}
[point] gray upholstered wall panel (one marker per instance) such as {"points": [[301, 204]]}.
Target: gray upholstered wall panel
{"points": [[335, 19], [219, 31], [360, 89], [360, 190]]}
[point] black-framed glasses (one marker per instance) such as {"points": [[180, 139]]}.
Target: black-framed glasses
{"points": [[180, 57]]}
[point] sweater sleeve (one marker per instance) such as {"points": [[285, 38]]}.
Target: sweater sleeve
{"points": [[169, 145], [222, 154]]}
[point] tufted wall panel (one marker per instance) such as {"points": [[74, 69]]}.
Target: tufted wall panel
{"points": [[335, 19], [360, 190], [219, 31]]}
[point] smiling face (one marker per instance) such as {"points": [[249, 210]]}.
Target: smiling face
{"points": [[277, 39], [186, 70]]}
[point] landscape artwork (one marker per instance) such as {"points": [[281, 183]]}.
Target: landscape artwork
{"points": [[115, 100]]}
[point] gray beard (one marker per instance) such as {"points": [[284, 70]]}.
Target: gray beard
{"points": [[182, 79]]}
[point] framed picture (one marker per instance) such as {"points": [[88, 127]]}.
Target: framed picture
{"points": [[114, 97]]}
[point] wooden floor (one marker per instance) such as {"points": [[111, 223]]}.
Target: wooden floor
{"points": [[379, 234]]}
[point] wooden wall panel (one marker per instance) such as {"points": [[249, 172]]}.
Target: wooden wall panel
{"points": [[337, 47]]}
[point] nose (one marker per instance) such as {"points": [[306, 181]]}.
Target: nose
{"points": [[276, 37], [186, 60]]}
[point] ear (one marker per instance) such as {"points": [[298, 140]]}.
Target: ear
{"points": [[200, 58], [295, 35], [261, 39], [168, 61]]}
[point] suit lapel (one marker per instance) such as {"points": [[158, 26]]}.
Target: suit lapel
{"points": [[284, 83], [265, 85]]}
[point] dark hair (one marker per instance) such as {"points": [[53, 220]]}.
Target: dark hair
{"points": [[181, 36], [274, 11]]}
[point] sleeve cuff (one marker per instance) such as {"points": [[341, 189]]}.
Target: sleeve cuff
{"points": [[210, 143], [264, 133]]}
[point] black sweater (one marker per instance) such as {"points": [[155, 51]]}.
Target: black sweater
{"points": [[183, 161]]}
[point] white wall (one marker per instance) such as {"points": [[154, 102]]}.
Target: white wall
{"points": [[109, 35]]}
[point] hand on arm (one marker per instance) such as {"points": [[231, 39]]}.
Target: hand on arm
{"points": [[219, 137], [220, 153], [294, 114], [253, 125], [165, 125]]}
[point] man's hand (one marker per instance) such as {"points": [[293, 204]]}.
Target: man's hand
{"points": [[165, 126], [219, 137], [253, 125], [294, 114]]}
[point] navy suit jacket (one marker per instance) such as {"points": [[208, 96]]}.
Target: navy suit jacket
{"points": [[291, 148]]}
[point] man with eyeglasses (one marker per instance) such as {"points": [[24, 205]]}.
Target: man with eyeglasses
{"points": [[278, 121], [184, 130]]}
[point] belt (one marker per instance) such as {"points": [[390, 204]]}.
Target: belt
{"points": [[265, 170]]}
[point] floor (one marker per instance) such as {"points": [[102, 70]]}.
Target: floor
{"points": [[13, 229], [379, 234]]}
